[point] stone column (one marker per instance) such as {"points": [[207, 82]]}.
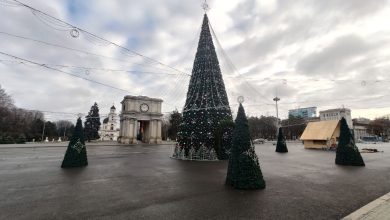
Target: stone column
{"points": [[134, 132], [124, 133], [122, 130], [152, 131], [130, 132], [159, 139], [121, 127]]}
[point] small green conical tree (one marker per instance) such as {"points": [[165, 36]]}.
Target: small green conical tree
{"points": [[76, 153], [281, 146], [347, 153], [223, 139], [243, 169]]}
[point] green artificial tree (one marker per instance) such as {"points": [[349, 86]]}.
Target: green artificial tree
{"points": [[76, 153], [207, 103], [175, 119], [223, 139], [281, 146], [92, 123], [243, 169], [347, 153]]}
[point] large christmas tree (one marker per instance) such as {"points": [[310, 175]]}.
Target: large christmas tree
{"points": [[76, 153], [347, 153], [244, 169], [207, 103]]}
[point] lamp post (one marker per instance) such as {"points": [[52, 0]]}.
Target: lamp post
{"points": [[65, 132], [43, 130], [276, 99]]}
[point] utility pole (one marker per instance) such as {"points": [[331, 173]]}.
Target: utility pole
{"points": [[64, 132], [43, 131], [276, 99]]}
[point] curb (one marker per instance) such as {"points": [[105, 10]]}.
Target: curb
{"points": [[373, 210], [65, 144]]}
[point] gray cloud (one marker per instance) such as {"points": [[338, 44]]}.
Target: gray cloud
{"points": [[278, 45], [333, 58]]}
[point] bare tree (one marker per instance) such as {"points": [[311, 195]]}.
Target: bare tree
{"points": [[64, 129], [6, 100], [262, 127], [380, 127], [16, 123]]}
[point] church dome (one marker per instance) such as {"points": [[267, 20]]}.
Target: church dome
{"points": [[105, 120], [113, 107]]}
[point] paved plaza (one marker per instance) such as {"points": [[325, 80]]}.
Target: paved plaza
{"points": [[142, 182]]}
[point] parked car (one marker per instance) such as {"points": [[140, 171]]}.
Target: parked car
{"points": [[259, 141]]}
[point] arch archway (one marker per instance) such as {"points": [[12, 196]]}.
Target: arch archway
{"points": [[140, 119]]}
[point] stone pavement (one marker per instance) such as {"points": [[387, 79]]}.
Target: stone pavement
{"points": [[65, 143], [378, 209], [142, 182]]}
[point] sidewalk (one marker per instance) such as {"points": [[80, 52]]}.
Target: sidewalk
{"points": [[65, 143], [35, 144], [378, 209]]}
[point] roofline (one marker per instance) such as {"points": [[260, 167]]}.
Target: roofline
{"points": [[144, 98], [336, 109], [302, 108], [306, 133]]}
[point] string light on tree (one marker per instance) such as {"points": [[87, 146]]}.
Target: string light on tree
{"points": [[207, 104]]}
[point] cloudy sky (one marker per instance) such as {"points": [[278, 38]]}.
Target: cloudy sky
{"points": [[326, 54]]}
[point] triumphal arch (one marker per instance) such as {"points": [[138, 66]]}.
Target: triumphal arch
{"points": [[140, 120]]}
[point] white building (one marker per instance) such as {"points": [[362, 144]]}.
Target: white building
{"points": [[109, 130], [337, 114], [305, 113], [360, 128], [140, 120]]}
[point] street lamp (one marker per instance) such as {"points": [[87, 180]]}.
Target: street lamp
{"points": [[43, 130], [276, 99], [65, 131]]}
